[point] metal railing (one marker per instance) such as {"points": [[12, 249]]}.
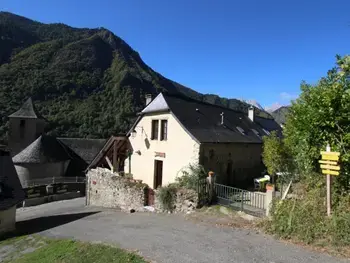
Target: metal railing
{"points": [[53, 180], [250, 202]]}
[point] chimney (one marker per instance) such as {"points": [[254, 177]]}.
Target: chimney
{"points": [[251, 113], [148, 98]]}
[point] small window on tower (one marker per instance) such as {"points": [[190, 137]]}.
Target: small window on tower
{"points": [[22, 125]]}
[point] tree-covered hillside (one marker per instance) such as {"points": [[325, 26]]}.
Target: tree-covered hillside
{"points": [[85, 82], [280, 115]]}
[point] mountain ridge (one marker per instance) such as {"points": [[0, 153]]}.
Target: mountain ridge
{"points": [[86, 82]]}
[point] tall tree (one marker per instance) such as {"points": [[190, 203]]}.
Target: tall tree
{"points": [[319, 116]]}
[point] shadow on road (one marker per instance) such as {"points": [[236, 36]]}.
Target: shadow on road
{"points": [[35, 225]]}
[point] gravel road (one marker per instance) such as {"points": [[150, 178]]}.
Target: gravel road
{"points": [[161, 237]]}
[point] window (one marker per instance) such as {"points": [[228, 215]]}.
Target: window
{"points": [[267, 132], [155, 124], [22, 125], [256, 133], [211, 154], [164, 130], [240, 130]]}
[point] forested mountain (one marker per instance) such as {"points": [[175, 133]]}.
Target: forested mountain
{"points": [[280, 114], [85, 82]]}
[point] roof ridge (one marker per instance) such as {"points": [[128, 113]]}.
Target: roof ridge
{"points": [[184, 97], [77, 138]]}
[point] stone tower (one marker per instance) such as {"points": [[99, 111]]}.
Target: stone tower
{"points": [[25, 126]]}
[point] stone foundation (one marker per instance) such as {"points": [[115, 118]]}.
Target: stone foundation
{"points": [[108, 189], [185, 200]]}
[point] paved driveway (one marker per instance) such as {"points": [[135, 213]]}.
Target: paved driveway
{"points": [[160, 237]]}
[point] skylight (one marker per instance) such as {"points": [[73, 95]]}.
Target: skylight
{"points": [[256, 132], [240, 130], [267, 132]]}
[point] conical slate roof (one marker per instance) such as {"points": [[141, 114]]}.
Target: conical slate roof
{"points": [[11, 192], [26, 111], [45, 149]]}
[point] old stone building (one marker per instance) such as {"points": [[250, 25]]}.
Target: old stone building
{"points": [[174, 131], [38, 156], [43, 158], [25, 127]]}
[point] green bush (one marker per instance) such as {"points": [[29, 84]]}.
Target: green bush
{"points": [[167, 195], [191, 177], [305, 219]]}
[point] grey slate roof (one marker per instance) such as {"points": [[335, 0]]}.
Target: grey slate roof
{"points": [[11, 192], [203, 120], [45, 149], [86, 149], [26, 111], [268, 124]]}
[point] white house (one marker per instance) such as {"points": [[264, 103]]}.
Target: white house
{"points": [[172, 132]]}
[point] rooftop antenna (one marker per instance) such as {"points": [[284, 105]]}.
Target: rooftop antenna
{"points": [[222, 118]]}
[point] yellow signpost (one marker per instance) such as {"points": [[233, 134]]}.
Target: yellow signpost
{"points": [[329, 167], [330, 172]]}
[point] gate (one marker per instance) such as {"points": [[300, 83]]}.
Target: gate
{"points": [[150, 197], [252, 203]]}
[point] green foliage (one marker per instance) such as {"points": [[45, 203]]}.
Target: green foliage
{"points": [[305, 218], [191, 176], [319, 116], [167, 195], [275, 155], [302, 219]]}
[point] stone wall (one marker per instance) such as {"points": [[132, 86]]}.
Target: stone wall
{"points": [[185, 200], [108, 189]]}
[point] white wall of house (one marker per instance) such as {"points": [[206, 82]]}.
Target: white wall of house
{"points": [[180, 150], [8, 220]]}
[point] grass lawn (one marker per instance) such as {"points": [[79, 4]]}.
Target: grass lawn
{"points": [[35, 249]]}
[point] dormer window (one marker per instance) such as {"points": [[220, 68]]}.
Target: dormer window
{"points": [[240, 130]]}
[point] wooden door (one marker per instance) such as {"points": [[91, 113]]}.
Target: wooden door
{"points": [[150, 197], [158, 173]]}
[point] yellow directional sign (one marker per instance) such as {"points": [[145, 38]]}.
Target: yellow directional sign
{"points": [[330, 172], [330, 153], [327, 162], [330, 157], [330, 167]]}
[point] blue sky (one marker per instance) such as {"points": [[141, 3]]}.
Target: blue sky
{"points": [[251, 49]]}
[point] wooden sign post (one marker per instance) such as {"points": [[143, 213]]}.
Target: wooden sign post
{"points": [[329, 194], [329, 167]]}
